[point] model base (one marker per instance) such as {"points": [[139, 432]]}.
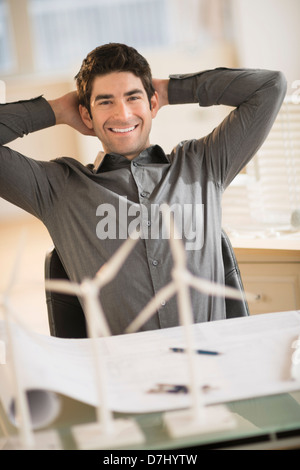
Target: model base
{"points": [[124, 433], [211, 419], [44, 440]]}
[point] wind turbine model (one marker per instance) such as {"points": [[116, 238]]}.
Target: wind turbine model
{"points": [[106, 432], [26, 438], [197, 418]]}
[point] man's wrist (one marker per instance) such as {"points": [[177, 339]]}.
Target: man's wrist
{"points": [[57, 110], [164, 93], [161, 87]]}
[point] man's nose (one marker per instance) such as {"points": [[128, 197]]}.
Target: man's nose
{"points": [[122, 111]]}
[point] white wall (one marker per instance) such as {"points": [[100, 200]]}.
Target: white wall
{"points": [[267, 35]]}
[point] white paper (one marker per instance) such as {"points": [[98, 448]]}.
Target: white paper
{"points": [[255, 361]]}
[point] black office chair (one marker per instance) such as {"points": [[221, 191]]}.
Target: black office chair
{"points": [[65, 314], [234, 308]]}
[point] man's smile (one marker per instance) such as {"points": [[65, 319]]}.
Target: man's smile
{"points": [[122, 130]]}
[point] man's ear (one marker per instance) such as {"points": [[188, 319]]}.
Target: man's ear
{"points": [[85, 116], [154, 104]]}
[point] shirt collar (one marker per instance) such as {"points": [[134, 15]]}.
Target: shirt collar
{"points": [[112, 161]]}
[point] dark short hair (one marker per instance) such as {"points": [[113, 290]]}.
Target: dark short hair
{"points": [[112, 57]]}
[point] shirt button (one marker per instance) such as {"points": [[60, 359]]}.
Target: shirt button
{"points": [[143, 194], [163, 303], [148, 223], [155, 262]]}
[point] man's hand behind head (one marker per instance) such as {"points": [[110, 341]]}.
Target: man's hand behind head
{"points": [[66, 110]]}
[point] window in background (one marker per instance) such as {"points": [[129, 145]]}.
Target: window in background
{"points": [[54, 35], [7, 60], [275, 171], [65, 31], [269, 191]]}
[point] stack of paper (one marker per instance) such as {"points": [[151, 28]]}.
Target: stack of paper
{"points": [[254, 360]]}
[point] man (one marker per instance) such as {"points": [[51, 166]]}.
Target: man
{"points": [[89, 210]]}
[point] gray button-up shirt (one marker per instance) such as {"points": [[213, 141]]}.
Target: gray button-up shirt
{"points": [[89, 210]]}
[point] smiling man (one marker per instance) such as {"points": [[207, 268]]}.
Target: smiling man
{"points": [[88, 210], [120, 113]]}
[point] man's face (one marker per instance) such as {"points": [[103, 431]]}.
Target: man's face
{"points": [[121, 114]]}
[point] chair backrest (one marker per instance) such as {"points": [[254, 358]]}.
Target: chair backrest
{"points": [[234, 308], [65, 314]]}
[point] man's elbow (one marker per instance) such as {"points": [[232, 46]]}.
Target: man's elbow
{"points": [[279, 85]]}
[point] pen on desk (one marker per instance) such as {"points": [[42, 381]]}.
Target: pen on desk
{"points": [[198, 351], [178, 388]]}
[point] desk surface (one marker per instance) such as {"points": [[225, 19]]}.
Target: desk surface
{"points": [[267, 420], [271, 422], [265, 243]]}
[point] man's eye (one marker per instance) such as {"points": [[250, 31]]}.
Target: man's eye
{"points": [[134, 98], [104, 103]]}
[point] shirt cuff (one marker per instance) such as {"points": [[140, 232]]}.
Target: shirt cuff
{"points": [[183, 88], [40, 112]]}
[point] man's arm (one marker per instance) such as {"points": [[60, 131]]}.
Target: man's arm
{"points": [[25, 182], [256, 96], [23, 117], [27, 116]]}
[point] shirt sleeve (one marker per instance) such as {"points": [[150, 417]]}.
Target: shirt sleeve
{"points": [[256, 96], [23, 117], [25, 182]]}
